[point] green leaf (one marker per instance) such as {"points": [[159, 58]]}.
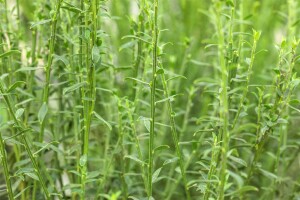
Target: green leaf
{"points": [[103, 120], [155, 175], [128, 45], [71, 8], [73, 88], [15, 85], [238, 160], [62, 59], [161, 147], [8, 53], [137, 80], [243, 189], [160, 71], [34, 24], [135, 159], [96, 54], [170, 160], [268, 174], [24, 69], [32, 175], [87, 34], [93, 174], [42, 112], [19, 113], [147, 124], [83, 160]]}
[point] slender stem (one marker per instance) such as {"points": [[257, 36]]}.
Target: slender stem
{"points": [[224, 112], [256, 36], [3, 158], [90, 90], [49, 63], [137, 142], [22, 128], [153, 88], [175, 136], [122, 162]]}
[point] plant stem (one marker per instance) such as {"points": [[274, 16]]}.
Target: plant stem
{"points": [[3, 158], [122, 162], [224, 112], [22, 128], [49, 63], [175, 136], [153, 88], [137, 142], [90, 90], [256, 36]]}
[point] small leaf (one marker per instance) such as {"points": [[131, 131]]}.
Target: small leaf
{"points": [[170, 160], [87, 34], [15, 85], [135, 159], [268, 174], [83, 160], [24, 69], [93, 174], [62, 59], [128, 45], [32, 175], [147, 124], [137, 80], [160, 71], [238, 160], [155, 175], [72, 8], [103, 120], [8, 53], [43, 112], [19, 113], [73, 88], [160, 148], [230, 3], [39, 23], [243, 190], [96, 54]]}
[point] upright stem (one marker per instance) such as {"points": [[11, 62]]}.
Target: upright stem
{"points": [[3, 158], [153, 88], [137, 142], [49, 63], [224, 133], [175, 137], [122, 153], [90, 90], [256, 36], [21, 128]]}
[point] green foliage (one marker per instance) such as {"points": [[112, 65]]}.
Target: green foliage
{"points": [[149, 99]]}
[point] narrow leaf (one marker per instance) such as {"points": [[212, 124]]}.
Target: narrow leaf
{"points": [[103, 120], [43, 112], [8, 53], [155, 175], [73, 88]]}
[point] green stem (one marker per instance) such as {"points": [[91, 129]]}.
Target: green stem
{"points": [[49, 63], [175, 137], [224, 112], [3, 158], [22, 128], [137, 142], [256, 36], [90, 90], [153, 88]]}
